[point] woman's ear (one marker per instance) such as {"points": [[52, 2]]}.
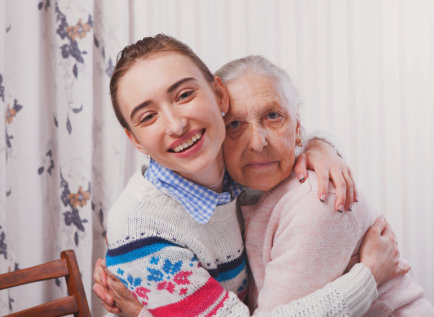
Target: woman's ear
{"points": [[298, 130], [298, 134], [134, 141], [222, 94]]}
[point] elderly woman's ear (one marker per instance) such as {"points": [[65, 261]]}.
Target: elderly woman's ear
{"points": [[298, 136]]}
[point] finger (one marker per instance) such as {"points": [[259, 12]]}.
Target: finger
{"points": [[404, 268], [98, 275], [323, 185], [103, 295], [111, 309], [355, 193], [387, 230], [110, 274], [349, 186], [341, 192], [114, 289], [300, 168], [102, 275], [379, 225]]}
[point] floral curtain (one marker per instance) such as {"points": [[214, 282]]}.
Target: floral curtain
{"points": [[63, 157]]}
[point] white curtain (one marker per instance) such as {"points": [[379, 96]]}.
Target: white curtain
{"points": [[364, 68]]}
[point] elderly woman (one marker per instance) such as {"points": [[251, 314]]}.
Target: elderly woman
{"points": [[295, 244]]}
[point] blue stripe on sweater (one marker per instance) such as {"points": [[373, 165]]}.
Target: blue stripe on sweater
{"points": [[136, 244], [228, 270], [144, 247], [228, 275], [135, 254]]}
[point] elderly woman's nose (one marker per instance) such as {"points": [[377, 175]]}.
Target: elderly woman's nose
{"points": [[176, 124], [257, 137]]}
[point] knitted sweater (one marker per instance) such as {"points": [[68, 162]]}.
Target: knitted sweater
{"points": [[297, 244], [177, 267]]}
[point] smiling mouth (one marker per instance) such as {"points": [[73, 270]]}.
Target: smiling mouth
{"points": [[188, 143]]}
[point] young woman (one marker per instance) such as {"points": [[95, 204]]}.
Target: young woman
{"points": [[174, 237]]}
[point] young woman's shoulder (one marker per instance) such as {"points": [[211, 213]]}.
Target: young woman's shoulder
{"points": [[141, 207], [140, 195]]}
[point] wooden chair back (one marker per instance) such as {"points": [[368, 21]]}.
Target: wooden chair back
{"points": [[67, 266]]}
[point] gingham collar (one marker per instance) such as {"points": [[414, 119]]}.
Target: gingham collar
{"points": [[200, 202]]}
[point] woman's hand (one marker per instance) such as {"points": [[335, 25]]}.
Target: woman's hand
{"points": [[125, 301], [100, 288], [322, 158], [380, 253]]}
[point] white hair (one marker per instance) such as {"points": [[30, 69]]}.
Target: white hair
{"points": [[261, 65]]}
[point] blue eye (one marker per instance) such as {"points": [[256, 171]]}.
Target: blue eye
{"points": [[234, 124], [273, 115]]}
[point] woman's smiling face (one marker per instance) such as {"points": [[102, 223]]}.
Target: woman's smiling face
{"points": [[173, 113]]}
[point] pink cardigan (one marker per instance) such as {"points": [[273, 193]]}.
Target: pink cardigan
{"points": [[296, 244]]}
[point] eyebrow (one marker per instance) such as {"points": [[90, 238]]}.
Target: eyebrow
{"points": [[178, 83], [169, 90]]}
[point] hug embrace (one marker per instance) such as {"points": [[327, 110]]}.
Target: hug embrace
{"points": [[225, 220]]}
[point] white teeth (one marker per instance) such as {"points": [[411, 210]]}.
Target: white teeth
{"points": [[188, 143]]}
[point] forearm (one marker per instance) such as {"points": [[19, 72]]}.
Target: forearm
{"points": [[349, 295]]}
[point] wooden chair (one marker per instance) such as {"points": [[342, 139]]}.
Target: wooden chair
{"points": [[67, 266]]}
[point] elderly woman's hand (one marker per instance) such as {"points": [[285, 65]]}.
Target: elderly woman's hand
{"points": [[100, 288], [124, 299], [379, 252], [322, 158]]}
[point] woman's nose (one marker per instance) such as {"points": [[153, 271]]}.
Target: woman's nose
{"points": [[176, 124], [258, 138]]}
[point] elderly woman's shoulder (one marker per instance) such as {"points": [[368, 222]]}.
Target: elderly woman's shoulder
{"points": [[291, 191], [293, 185]]}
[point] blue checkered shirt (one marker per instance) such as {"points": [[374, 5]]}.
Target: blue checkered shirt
{"points": [[200, 202]]}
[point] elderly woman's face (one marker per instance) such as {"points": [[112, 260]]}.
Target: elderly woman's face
{"points": [[259, 148]]}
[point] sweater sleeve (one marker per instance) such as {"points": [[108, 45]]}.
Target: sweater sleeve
{"points": [[349, 295], [169, 281]]}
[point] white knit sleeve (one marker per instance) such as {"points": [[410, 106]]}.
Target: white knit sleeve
{"points": [[349, 295]]}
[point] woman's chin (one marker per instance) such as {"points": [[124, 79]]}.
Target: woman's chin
{"points": [[264, 180], [261, 185]]}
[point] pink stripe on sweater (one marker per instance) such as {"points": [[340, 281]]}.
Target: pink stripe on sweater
{"points": [[194, 304], [214, 311]]}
